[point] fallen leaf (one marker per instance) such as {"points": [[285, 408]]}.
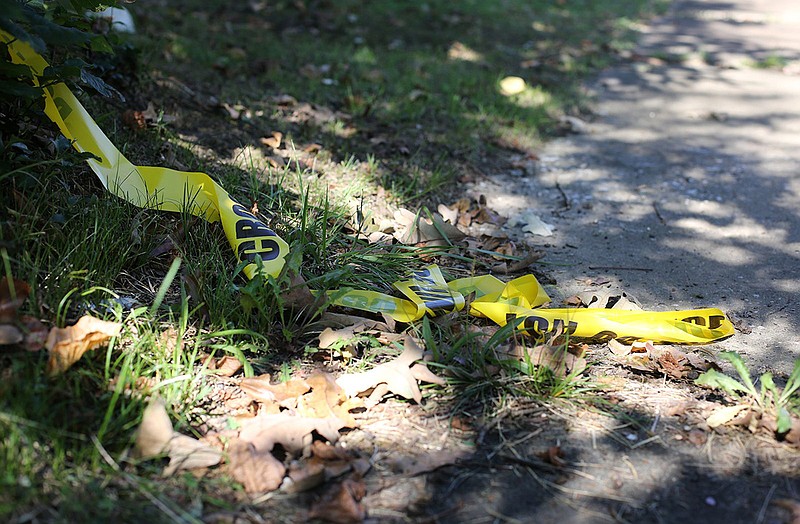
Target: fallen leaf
{"points": [[304, 476], [67, 345], [341, 505], [327, 399], [262, 390], [257, 470], [10, 335], [290, 431], [156, 437], [553, 456], [531, 223], [429, 461], [413, 229], [12, 294], [399, 375], [724, 414], [227, 366], [555, 358], [792, 506], [273, 141]]}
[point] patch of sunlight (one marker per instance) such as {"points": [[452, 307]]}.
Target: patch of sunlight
{"points": [[365, 56], [459, 51], [788, 285], [523, 95], [742, 228], [716, 252]]}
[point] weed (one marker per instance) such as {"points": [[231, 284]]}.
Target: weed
{"points": [[768, 399]]}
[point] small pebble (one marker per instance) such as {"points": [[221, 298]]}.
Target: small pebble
{"points": [[711, 501]]}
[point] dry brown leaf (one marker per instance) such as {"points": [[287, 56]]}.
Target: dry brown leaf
{"points": [[35, 333], [304, 476], [186, 453], [327, 399], [724, 414], [397, 375], [555, 358], [673, 362], [257, 470], [429, 461], [155, 431], [67, 345], [10, 334], [273, 141], [291, 432], [12, 294], [286, 393], [227, 366], [413, 229], [156, 437], [341, 505], [792, 506]]}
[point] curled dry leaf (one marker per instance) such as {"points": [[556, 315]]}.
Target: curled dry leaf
{"points": [[341, 505], [290, 431], [12, 294], [327, 399], [227, 366], [156, 437], [67, 345], [257, 470], [557, 359], [411, 228], [399, 376], [724, 415], [285, 394]]}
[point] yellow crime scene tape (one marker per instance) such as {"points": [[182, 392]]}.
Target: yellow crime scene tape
{"points": [[426, 291]]}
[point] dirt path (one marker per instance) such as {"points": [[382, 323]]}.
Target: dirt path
{"points": [[686, 176]]}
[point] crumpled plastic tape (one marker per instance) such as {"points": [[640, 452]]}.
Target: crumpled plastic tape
{"points": [[426, 291]]}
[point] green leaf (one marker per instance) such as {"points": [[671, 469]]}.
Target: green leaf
{"points": [[714, 379], [741, 369], [784, 420], [768, 384], [792, 384], [19, 89], [99, 85], [57, 35]]}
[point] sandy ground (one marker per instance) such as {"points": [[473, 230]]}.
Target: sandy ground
{"points": [[686, 175]]}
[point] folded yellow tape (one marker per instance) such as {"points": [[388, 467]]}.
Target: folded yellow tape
{"points": [[427, 291]]}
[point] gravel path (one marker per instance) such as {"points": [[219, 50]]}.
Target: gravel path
{"points": [[687, 175]]}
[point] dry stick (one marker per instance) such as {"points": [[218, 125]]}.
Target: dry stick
{"points": [[563, 196], [763, 511], [658, 214]]}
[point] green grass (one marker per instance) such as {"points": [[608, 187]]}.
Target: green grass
{"points": [[405, 97]]}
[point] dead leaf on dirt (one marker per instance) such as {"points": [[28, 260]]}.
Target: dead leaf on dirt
{"points": [[227, 366], [792, 506], [12, 294], [554, 456], [329, 336], [325, 463], [557, 359], [327, 399], [257, 470], [724, 414], [697, 436], [341, 505], [67, 345], [531, 223], [290, 431], [411, 229], [273, 141], [156, 437], [428, 461], [398, 376], [285, 393]]}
